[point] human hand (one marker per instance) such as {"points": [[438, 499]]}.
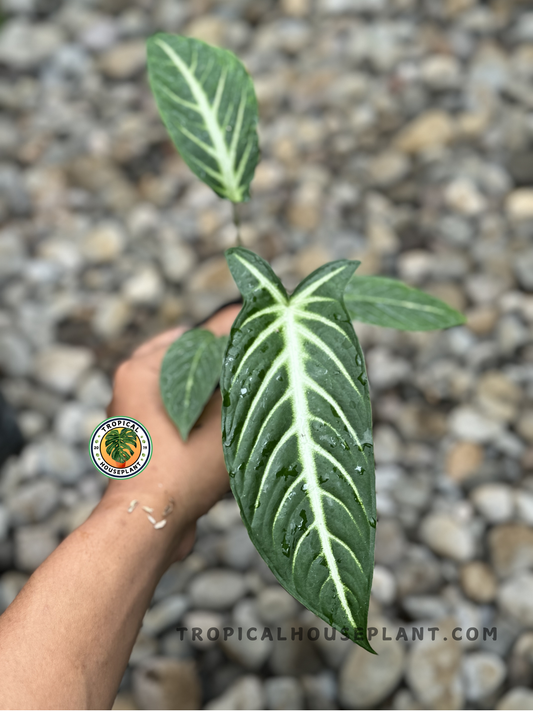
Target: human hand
{"points": [[192, 474]]}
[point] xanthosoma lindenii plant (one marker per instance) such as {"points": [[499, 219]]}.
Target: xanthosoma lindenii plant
{"points": [[296, 413]]}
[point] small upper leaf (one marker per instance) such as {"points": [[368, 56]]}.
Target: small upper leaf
{"points": [[393, 304], [207, 101], [297, 435], [189, 374]]}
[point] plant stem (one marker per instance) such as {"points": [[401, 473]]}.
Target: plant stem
{"points": [[237, 222]]}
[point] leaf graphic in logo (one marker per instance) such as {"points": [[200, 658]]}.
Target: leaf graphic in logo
{"points": [[120, 444]]}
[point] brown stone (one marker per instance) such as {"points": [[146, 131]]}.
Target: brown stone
{"points": [[511, 548], [430, 130], [478, 582], [463, 460]]}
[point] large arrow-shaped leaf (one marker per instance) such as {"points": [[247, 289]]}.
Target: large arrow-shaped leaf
{"points": [[297, 438], [207, 101], [391, 303]]}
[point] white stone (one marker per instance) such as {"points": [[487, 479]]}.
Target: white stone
{"points": [[519, 205], [441, 71], [33, 502], [145, 287], [463, 197], [177, 262], [495, 502], [466, 423], [515, 597], [383, 585], [111, 317], [524, 506], [217, 589], [60, 367], [483, 672], [365, 679], [447, 536]]}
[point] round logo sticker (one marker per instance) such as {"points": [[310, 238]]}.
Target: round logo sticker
{"points": [[120, 448]]}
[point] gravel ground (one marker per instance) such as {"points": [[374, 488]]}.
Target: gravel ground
{"points": [[396, 132]]}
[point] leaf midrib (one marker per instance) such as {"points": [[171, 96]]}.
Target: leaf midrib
{"points": [[212, 124]]}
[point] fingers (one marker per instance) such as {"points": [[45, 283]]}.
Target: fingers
{"points": [[163, 340]]}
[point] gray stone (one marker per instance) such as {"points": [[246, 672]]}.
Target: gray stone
{"points": [[434, 670], [24, 46], [217, 589], [61, 367], [383, 585], [284, 692], [521, 660], [251, 651], [33, 544], [224, 515], [366, 680], [275, 605], [320, 690], [199, 623], [33, 502], [515, 598], [164, 614], [163, 683], [483, 674], [125, 60], [236, 550], [4, 522], [15, 354], [247, 693]]}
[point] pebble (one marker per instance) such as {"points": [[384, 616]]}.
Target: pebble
{"points": [[236, 549], [125, 60], [33, 502], [463, 197], [515, 598], [249, 653], [61, 367], [164, 614], [203, 621], [366, 680], [104, 243], [434, 670], [511, 548], [4, 522], [284, 692], [432, 129], [275, 605], [163, 683], [478, 582], [447, 536], [463, 460], [483, 674], [247, 693], [495, 502], [24, 46], [33, 544], [518, 699], [320, 690], [144, 288], [521, 660], [217, 589], [467, 423], [519, 205], [383, 585]]}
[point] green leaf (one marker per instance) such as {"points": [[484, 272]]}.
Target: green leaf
{"points": [[189, 374], [119, 444], [393, 304], [297, 436], [207, 101]]}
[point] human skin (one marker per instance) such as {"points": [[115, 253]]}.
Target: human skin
{"points": [[66, 639]]}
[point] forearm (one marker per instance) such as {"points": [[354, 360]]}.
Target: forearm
{"points": [[66, 639]]}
